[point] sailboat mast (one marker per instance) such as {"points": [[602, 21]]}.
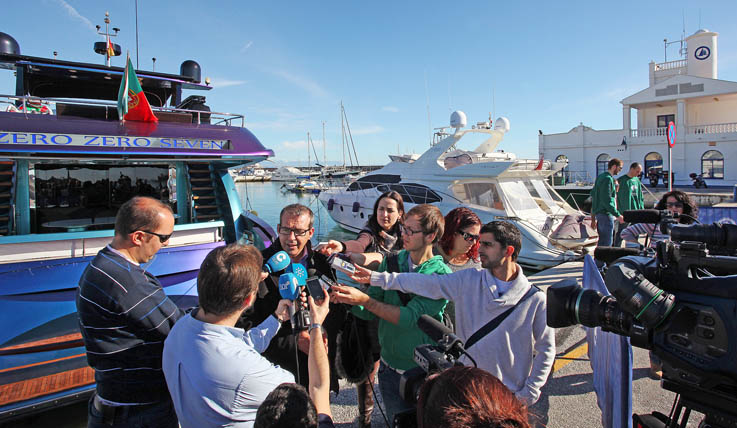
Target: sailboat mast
{"points": [[308, 153], [324, 151], [342, 132]]}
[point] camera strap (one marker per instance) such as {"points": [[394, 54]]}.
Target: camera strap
{"points": [[494, 323]]}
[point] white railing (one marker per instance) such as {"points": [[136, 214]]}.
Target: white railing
{"points": [[23, 104], [670, 65], [648, 132], [715, 128]]}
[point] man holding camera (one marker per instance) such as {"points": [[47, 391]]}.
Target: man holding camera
{"points": [[499, 315], [295, 230], [399, 312], [214, 371]]}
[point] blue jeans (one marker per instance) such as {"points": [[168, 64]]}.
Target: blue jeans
{"points": [[389, 387], [605, 229], [148, 416]]}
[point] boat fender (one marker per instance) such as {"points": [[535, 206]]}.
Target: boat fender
{"points": [[331, 203], [356, 206]]}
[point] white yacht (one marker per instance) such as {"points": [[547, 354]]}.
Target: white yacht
{"points": [[496, 185], [289, 173]]}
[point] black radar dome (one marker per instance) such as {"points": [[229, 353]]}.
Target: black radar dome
{"points": [[191, 69], [8, 45]]}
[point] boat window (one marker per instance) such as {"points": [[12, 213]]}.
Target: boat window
{"points": [[547, 202], [415, 193], [371, 181], [517, 196], [483, 194], [73, 197]]}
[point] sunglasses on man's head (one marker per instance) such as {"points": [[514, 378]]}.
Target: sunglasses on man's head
{"points": [[162, 238], [469, 237]]}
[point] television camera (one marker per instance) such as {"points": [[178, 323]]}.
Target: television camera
{"points": [[680, 302]]}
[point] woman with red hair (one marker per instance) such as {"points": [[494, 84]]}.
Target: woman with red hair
{"points": [[459, 244], [468, 397]]}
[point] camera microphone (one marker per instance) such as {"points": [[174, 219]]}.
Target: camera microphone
{"points": [[289, 289], [438, 332], [647, 216], [610, 254]]}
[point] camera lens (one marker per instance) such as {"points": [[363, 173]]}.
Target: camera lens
{"points": [[637, 295]]}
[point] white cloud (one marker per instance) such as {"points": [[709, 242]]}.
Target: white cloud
{"points": [[246, 46], [390, 109], [367, 130], [74, 14], [224, 83], [302, 82]]}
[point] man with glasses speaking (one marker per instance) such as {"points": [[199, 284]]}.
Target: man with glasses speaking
{"points": [[295, 230], [124, 317], [500, 317]]}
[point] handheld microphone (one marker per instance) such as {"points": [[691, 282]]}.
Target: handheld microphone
{"points": [[438, 332], [648, 216], [300, 272], [277, 263], [610, 254], [289, 289]]}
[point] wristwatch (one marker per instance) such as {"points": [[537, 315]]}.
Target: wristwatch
{"points": [[314, 325]]}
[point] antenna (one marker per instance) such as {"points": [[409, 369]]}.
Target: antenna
{"points": [[137, 36], [427, 98], [449, 102], [153, 60], [107, 48]]}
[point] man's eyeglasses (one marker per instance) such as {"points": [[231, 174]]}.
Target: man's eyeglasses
{"points": [[409, 232], [286, 231], [162, 238], [674, 204], [469, 237]]}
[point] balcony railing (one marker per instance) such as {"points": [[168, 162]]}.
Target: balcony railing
{"points": [[648, 132], [716, 128], [670, 65]]}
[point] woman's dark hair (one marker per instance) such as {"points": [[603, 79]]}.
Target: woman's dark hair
{"points": [[468, 397], [374, 225], [689, 207], [455, 221]]}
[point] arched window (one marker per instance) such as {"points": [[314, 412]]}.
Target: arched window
{"points": [[601, 163], [563, 172], [653, 160], [712, 164]]}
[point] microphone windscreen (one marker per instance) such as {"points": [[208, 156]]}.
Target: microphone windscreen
{"points": [[642, 216], [610, 254], [278, 262], [288, 286], [299, 271], [432, 327]]}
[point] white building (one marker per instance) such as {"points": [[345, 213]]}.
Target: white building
{"points": [[687, 92]]}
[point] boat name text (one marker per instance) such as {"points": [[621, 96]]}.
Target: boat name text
{"points": [[110, 141]]}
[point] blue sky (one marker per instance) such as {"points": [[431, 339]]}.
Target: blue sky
{"points": [[288, 65]]}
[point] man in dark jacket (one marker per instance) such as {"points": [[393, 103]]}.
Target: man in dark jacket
{"points": [[124, 317], [295, 230]]}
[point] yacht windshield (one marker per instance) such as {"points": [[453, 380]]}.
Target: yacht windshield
{"points": [[483, 194]]}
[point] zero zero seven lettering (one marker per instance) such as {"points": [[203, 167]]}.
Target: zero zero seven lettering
{"points": [[43, 139]]}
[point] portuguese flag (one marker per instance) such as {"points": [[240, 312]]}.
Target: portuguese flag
{"points": [[132, 102]]}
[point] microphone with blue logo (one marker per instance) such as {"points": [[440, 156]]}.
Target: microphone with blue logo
{"points": [[277, 263], [289, 288]]}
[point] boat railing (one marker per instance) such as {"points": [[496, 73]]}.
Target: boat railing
{"points": [[715, 128], [22, 104]]}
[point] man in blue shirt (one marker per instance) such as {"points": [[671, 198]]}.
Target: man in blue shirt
{"points": [[215, 372]]}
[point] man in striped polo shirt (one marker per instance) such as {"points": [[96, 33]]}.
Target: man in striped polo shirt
{"points": [[124, 316]]}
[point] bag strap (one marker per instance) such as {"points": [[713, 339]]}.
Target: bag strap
{"points": [[392, 266], [494, 323]]}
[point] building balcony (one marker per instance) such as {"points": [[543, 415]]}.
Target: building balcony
{"points": [[715, 129]]}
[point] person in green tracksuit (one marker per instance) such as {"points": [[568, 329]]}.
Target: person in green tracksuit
{"points": [[604, 203], [398, 331], [629, 196]]}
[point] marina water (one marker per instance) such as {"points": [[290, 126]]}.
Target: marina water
{"points": [[268, 198]]}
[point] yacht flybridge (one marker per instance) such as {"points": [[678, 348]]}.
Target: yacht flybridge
{"points": [[494, 184]]}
